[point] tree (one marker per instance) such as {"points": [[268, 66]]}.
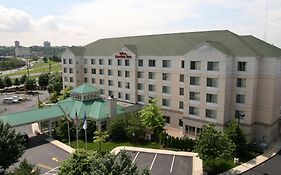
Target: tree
{"points": [[17, 82], [213, 144], [25, 169], [30, 83], [8, 82], [2, 84], [11, 145], [238, 138], [86, 163], [23, 79], [152, 118], [117, 128], [45, 59], [55, 83], [43, 79], [65, 93], [100, 137]]}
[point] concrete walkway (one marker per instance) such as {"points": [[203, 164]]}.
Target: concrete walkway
{"points": [[270, 152]]}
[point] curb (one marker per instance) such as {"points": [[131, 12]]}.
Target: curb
{"points": [[60, 145]]}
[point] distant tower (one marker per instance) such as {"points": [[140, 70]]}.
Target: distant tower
{"points": [[17, 44], [47, 44]]}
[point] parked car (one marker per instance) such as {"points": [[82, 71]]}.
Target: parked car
{"points": [[25, 139]]}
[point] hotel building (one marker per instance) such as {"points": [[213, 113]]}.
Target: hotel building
{"points": [[197, 77]]}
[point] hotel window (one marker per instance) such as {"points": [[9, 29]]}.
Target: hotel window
{"points": [[140, 98], [101, 72], [166, 76], [140, 74], [127, 96], [194, 96], [241, 82], [140, 63], [102, 91], [151, 63], [195, 81], [127, 85], [195, 65], [65, 78], [127, 74], [166, 102], [110, 93], [181, 78], [181, 91], [127, 62], [64, 61], [85, 61], [102, 81], [64, 70], [109, 72], [93, 71], [151, 75], [119, 95], [242, 66], [110, 83], [100, 61], [119, 73], [211, 98], [182, 63], [92, 61], [119, 84], [85, 79], [152, 87], [181, 105], [240, 98], [109, 61], [166, 63], [70, 61], [70, 70], [166, 89], [85, 70], [119, 62], [70, 79], [140, 86], [167, 119], [213, 66], [212, 82], [238, 114], [193, 110], [93, 80], [211, 114], [180, 122]]}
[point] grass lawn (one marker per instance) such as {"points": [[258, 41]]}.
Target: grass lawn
{"points": [[108, 146], [56, 67]]}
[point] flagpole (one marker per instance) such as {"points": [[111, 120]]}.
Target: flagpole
{"points": [[86, 138], [68, 133]]}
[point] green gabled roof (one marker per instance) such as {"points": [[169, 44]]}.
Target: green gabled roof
{"points": [[219, 46], [262, 47], [85, 88], [171, 44], [78, 51], [31, 116]]}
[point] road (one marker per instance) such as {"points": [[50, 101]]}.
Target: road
{"points": [[44, 155]]}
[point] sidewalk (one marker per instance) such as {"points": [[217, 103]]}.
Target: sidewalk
{"points": [[270, 152]]}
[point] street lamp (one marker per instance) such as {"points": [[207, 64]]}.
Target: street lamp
{"points": [[240, 116]]}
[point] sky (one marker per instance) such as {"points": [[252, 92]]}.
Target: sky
{"points": [[80, 22]]}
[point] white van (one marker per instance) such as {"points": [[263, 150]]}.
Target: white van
{"points": [[8, 100]]}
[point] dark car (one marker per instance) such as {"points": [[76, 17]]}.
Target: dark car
{"points": [[25, 139]]}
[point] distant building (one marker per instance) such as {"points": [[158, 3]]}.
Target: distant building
{"points": [[17, 44], [47, 44], [23, 52]]}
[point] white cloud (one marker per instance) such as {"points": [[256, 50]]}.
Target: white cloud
{"points": [[86, 22]]}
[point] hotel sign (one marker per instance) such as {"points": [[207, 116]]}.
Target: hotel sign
{"points": [[122, 55]]}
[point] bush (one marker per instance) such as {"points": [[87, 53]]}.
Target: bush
{"points": [[184, 144], [218, 166]]}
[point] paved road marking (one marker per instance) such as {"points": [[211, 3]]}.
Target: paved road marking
{"points": [[45, 166], [135, 157], [55, 159], [153, 161], [52, 171], [171, 169]]}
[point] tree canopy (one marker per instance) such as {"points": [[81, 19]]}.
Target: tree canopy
{"points": [[8, 82], [25, 169], [91, 163], [100, 137], [30, 83], [213, 144], [43, 79], [23, 79], [11, 146]]}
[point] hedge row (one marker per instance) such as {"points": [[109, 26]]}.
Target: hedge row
{"points": [[183, 144]]}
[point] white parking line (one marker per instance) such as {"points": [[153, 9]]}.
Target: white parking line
{"points": [[52, 171], [153, 161], [172, 164], [135, 157]]}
